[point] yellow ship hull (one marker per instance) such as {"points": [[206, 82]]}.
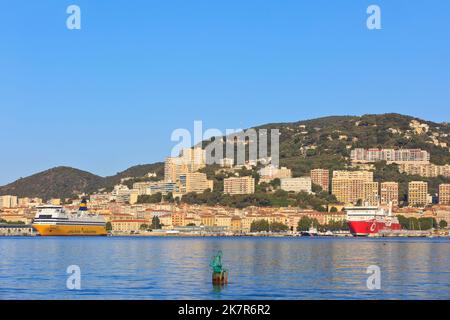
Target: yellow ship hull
{"points": [[61, 230]]}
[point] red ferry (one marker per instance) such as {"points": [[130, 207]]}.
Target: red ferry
{"points": [[364, 221]]}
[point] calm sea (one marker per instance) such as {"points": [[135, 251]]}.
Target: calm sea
{"points": [[260, 268]]}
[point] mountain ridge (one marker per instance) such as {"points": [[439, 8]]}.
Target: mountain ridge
{"points": [[323, 142]]}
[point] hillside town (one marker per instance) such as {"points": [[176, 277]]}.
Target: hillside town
{"points": [[152, 205]]}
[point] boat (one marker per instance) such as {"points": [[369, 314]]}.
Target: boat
{"points": [[366, 221], [53, 220], [312, 232]]}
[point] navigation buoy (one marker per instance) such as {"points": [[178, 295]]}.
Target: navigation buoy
{"points": [[220, 274], [220, 278]]}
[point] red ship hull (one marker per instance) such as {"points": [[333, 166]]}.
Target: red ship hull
{"points": [[366, 228]]}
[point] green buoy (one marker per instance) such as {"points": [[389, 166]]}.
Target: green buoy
{"points": [[220, 274]]}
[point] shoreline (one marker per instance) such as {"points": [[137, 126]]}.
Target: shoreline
{"points": [[180, 236]]}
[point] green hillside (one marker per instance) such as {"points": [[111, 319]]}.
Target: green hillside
{"points": [[304, 145]]}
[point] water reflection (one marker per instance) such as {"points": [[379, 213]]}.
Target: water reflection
{"points": [[260, 268]]}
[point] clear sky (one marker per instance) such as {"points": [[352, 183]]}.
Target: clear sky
{"points": [[108, 96]]}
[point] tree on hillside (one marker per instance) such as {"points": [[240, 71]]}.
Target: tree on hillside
{"points": [[154, 198]]}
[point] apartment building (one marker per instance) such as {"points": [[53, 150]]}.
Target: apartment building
{"points": [[302, 184], [418, 193], [191, 160], [179, 219], [425, 170], [444, 194], [349, 186], [321, 177], [370, 194], [164, 188], [353, 175], [348, 191], [239, 185], [8, 201], [195, 182], [389, 155], [173, 168], [389, 193]]}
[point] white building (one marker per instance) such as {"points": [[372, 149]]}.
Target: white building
{"points": [[8, 201], [121, 193], [270, 173], [302, 184]]}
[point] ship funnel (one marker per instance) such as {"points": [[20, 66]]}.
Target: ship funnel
{"points": [[390, 208], [83, 205]]}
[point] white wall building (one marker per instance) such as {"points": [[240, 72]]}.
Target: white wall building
{"points": [[297, 184]]}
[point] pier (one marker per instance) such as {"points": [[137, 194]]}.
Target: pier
{"points": [[405, 233]]}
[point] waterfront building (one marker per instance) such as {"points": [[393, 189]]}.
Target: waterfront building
{"points": [[208, 220], [418, 193], [302, 184], [179, 219], [389, 193], [444, 194], [321, 177], [236, 224], [128, 226], [223, 221], [247, 221], [239, 185]]}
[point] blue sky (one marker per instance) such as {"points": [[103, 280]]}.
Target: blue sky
{"points": [[108, 96]]}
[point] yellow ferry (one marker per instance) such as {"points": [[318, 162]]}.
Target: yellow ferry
{"points": [[56, 221]]}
